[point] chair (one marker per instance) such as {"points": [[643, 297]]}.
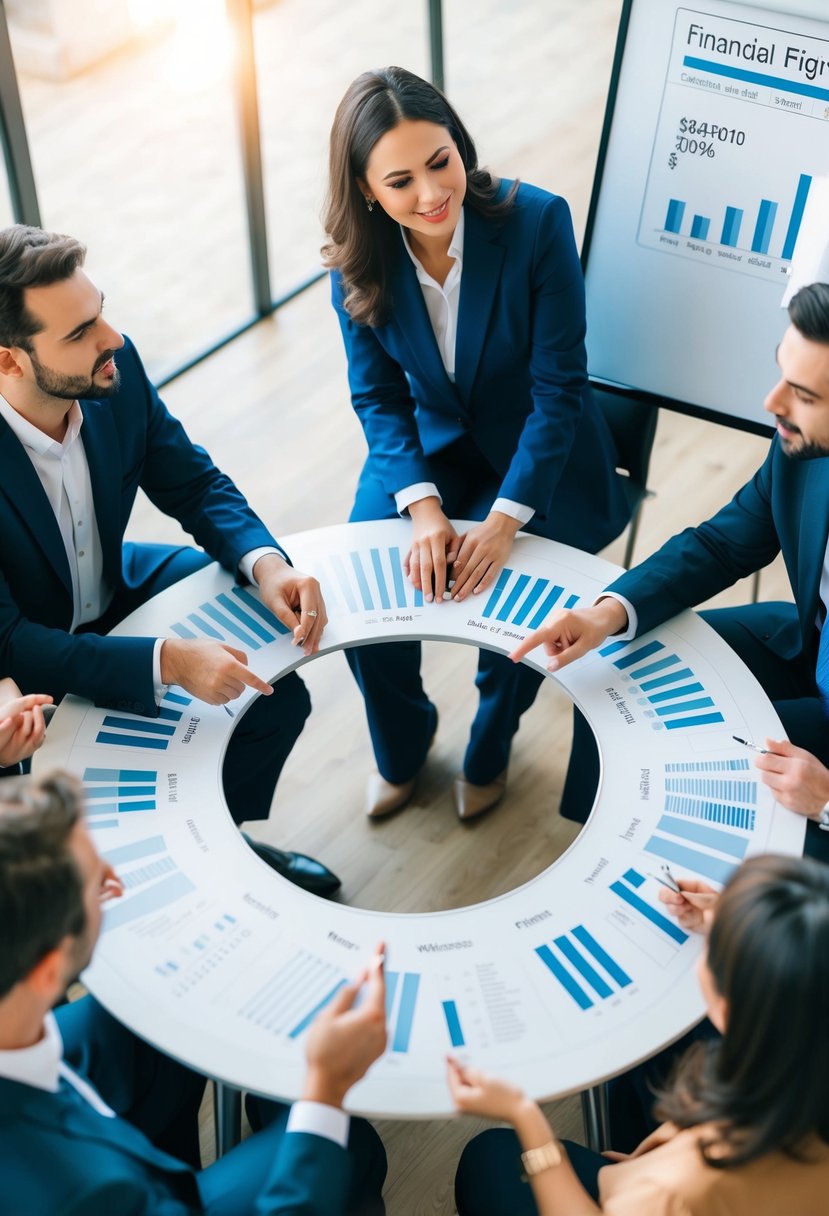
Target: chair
{"points": [[632, 424]]}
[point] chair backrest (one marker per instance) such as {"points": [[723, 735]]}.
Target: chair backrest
{"points": [[632, 424]]}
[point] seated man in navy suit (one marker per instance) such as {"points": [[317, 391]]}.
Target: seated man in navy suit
{"points": [[784, 508], [94, 1121], [81, 431]]}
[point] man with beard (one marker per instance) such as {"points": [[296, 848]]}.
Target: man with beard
{"points": [[784, 507], [81, 431], [93, 1120]]}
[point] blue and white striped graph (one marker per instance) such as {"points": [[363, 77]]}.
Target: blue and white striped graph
{"points": [[522, 600], [155, 734], [583, 968], [287, 1003], [148, 888], [628, 889], [401, 997], [232, 618], [725, 794], [111, 792], [368, 581], [720, 851], [671, 693]]}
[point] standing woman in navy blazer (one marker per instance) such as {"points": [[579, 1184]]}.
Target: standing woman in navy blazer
{"points": [[461, 303]]}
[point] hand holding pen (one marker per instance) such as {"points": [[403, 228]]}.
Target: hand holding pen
{"points": [[692, 902], [797, 778]]}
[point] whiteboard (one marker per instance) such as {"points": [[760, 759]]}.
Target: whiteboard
{"points": [[717, 127]]}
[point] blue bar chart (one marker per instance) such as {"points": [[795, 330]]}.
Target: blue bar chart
{"points": [[585, 970], [453, 1023], [234, 617], [147, 900], [401, 999], [627, 888], [673, 696], [719, 796], [372, 580], [287, 1003], [111, 792], [518, 599], [154, 734]]}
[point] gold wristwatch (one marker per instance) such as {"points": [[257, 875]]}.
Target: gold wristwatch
{"points": [[534, 1160]]}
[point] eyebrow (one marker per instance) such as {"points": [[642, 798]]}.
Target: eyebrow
{"points": [[402, 172], [79, 329], [803, 388]]}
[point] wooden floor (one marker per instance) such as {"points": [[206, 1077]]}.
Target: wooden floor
{"points": [[273, 410]]}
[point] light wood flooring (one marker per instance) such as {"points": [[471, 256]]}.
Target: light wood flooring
{"points": [[273, 410]]}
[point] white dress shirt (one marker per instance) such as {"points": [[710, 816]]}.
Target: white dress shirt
{"points": [[63, 471], [42, 1067], [442, 303]]}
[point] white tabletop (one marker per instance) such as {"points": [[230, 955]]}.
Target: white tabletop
{"points": [[568, 979]]}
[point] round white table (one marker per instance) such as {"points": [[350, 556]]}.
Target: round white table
{"points": [[559, 984]]}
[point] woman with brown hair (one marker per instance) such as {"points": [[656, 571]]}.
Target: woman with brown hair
{"points": [[746, 1129], [461, 304]]}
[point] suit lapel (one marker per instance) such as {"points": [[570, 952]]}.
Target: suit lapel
{"points": [[27, 499], [813, 518], [103, 455], [412, 323], [482, 263]]}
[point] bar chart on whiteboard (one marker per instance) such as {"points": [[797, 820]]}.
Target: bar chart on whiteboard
{"points": [[740, 136]]}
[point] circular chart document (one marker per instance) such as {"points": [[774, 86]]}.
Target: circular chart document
{"points": [[569, 979]]}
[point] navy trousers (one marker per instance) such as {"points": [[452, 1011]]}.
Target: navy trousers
{"points": [[488, 1181], [401, 719], [264, 736]]}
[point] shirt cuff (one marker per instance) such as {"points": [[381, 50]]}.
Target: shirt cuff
{"points": [[423, 489], [159, 688], [630, 633], [514, 509], [249, 560], [319, 1120]]}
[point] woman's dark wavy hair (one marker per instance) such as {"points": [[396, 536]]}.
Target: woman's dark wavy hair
{"points": [[765, 1082], [362, 244]]}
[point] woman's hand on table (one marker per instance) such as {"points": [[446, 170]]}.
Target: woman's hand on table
{"points": [[483, 552], [434, 548], [475, 1092]]}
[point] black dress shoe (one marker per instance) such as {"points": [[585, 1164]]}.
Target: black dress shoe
{"points": [[298, 868]]}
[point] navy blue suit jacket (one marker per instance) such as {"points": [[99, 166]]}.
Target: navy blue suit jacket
{"points": [[520, 387], [59, 1156], [784, 507], [131, 442]]}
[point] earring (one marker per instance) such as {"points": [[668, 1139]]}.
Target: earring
{"points": [[370, 204]]}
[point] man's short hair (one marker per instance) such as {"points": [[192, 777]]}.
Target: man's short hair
{"points": [[809, 312], [30, 257], [41, 888]]}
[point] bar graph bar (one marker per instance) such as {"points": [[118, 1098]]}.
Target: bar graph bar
{"points": [[135, 852], [400, 1025], [700, 833], [716, 868], [762, 229], [699, 227], [673, 218], [799, 207], [152, 899], [731, 226], [709, 766], [646, 910], [453, 1024], [565, 979], [377, 566]]}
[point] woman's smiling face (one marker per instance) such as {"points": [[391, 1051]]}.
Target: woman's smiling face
{"points": [[416, 174]]}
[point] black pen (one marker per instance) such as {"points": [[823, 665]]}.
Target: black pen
{"points": [[764, 751]]}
